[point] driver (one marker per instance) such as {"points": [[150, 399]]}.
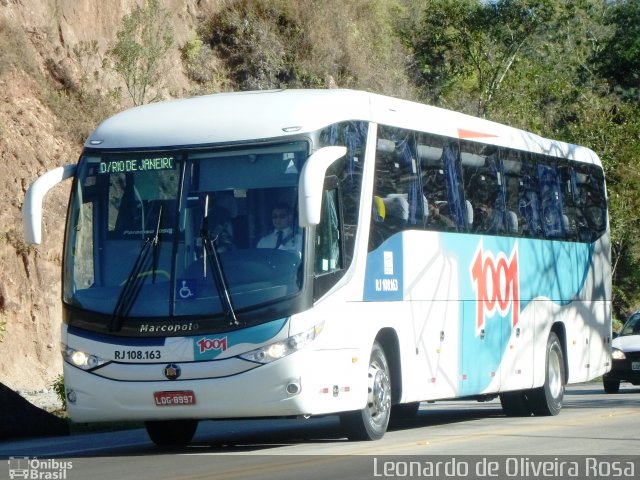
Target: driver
{"points": [[283, 236]]}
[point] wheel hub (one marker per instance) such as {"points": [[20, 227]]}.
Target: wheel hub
{"points": [[379, 401], [555, 375]]}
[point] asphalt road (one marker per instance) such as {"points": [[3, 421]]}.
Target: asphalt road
{"points": [[591, 424]]}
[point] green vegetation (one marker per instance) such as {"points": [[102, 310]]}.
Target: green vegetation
{"points": [[282, 43], [140, 49], [565, 70], [58, 388], [15, 239]]}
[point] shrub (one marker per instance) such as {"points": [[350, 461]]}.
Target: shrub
{"points": [[142, 44], [58, 388], [284, 43]]}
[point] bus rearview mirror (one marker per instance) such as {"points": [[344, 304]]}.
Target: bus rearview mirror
{"points": [[32, 207], [312, 181]]}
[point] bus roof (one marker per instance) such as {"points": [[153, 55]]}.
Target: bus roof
{"points": [[246, 116]]}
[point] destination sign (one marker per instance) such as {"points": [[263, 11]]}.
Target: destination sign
{"points": [[137, 165]]}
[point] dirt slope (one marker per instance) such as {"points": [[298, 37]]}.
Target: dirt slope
{"points": [[37, 40]]}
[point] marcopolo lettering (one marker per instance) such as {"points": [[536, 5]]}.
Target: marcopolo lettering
{"points": [[170, 328]]}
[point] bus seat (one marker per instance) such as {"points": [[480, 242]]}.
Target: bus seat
{"points": [[512, 221], [469, 212], [397, 206]]}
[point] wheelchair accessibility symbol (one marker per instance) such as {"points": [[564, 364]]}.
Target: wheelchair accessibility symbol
{"points": [[186, 290]]}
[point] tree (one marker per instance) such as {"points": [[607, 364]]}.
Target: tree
{"points": [[549, 66], [140, 48], [465, 50], [619, 60]]}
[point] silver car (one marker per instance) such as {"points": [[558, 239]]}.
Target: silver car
{"points": [[625, 355]]}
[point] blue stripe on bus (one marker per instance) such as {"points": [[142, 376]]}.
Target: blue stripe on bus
{"points": [[553, 270], [208, 347], [257, 334], [384, 272]]}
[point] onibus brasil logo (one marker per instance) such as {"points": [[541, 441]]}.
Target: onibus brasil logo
{"points": [[496, 283], [34, 468]]}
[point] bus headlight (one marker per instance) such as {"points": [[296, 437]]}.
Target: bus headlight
{"points": [[80, 359], [277, 350], [617, 354]]}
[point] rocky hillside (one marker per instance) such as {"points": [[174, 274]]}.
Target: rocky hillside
{"points": [[53, 90]]}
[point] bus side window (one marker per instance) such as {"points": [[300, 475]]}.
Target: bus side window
{"points": [[592, 205], [570, 202], [458, 208], [485, 189], [328, 245], [348, 170], [550, 202], [512, 163], [329, 260], [528, 201], [398, 200]]}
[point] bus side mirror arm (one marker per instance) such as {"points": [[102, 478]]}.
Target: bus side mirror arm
{"points": [[312, 181], [32, 207]]}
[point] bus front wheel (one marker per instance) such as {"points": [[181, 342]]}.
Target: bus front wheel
{"points": [[171, 433], [371, 422], [547, 400]]}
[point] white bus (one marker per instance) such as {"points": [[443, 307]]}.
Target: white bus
{"points": [[431, 255]]}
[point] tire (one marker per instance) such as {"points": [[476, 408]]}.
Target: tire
{"points": [[405, 411], [547, 400], [371, 422], [515, 404], [171, 433], [611, 386]]}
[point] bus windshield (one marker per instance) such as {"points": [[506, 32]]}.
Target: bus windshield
{"points": [[190, 233]]}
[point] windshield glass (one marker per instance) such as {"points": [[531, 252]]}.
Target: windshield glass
{"points": [[632, 327], [142, 228]]}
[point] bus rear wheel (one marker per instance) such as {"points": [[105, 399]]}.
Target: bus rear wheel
{"points": [[171, 433], [547, 400], [371, 422], [515, 404]]}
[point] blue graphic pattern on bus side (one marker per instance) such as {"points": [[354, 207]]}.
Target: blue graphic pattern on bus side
{"points": [[384, 272], [208, 347], [524, 270]]}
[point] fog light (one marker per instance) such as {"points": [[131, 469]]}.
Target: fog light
{"points": [[71, 396], [293, 388]]}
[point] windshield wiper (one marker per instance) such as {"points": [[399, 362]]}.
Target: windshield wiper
{"points": [[216, 267], [221, 281], [136, 277]]}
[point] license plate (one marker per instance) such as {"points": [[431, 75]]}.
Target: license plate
{"points": [[174, 398], [635, 366]]}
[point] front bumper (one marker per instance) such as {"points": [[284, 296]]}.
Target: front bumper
{"points": [[626, 370], [328, 381]]}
